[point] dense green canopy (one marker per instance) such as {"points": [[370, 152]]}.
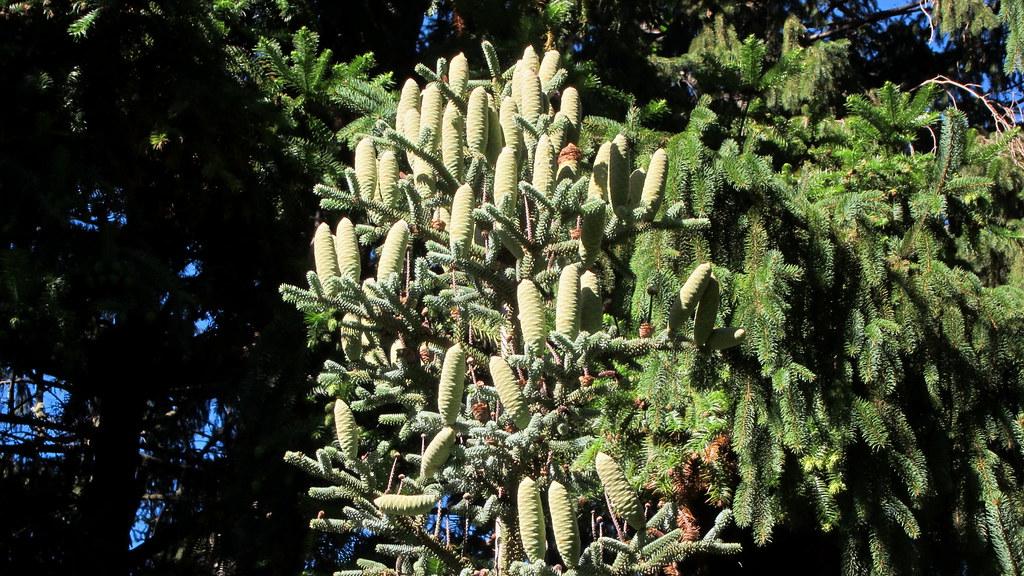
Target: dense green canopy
{"points": [[157, 162]]}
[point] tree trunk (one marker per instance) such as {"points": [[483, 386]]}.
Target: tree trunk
{"points": [[111, 495]]}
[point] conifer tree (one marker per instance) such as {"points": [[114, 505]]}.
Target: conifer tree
{"points": [[465, 287], [879, 386], [873, 260]]}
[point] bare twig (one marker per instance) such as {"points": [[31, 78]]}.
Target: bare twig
{"points": [[34, 422], [923, 5], [611, 514], [1004, 116]]}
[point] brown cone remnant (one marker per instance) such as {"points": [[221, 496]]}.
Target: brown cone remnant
{"points": [[571, 153], [482, 412], [646, 330], [687, 522]]}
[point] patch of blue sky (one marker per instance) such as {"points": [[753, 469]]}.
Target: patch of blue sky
{"points": [[204, 323], [207, 444], [83, 225], [28, 395], [191, 270], [206, 441]]}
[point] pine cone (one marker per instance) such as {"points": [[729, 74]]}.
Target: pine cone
{"points": [[586, 380], [482, 412], [437, 224], [646, 330], [575, 233], [571, 153], [426, 356]]}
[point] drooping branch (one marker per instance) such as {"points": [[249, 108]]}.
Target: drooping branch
{"points": [[842, 27]]}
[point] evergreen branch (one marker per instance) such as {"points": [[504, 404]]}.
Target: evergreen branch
{"points": [[391, 136]]}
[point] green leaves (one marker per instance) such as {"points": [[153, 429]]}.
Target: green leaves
{"points": [[80, 27], [892, 117], [852, 265], [313, 91], [1011, 12], [876, 347], [305, 69]]}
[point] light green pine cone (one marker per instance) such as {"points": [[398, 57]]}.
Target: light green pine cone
{"points": [[458, 75], [405, 504], [387, 179], [366, 168], [618, 172], [371, 353], [684, 305], [572, 110], [694, 287], [544, 166], [559, 136], [450, 387], [531, 316], [437, 452], [351, 337], [723, 338], [516, 92], [346, 245], [453, 127], [495, 138], [431, 113], [462, 225], [511, 133], [622, 496], [507, 385], [548, 66], [593, 231], [397, 351], [654, 182], [476, 120], [346, 429], [532, 529], [530, 59], [324, 256], [411, 130], [392, 254], [567, 308], [532, 97], [563, 523], [505, 176], [505, 190], [707, 310], [409, 100], [598, 187], [636, 186], [591, 304]]}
